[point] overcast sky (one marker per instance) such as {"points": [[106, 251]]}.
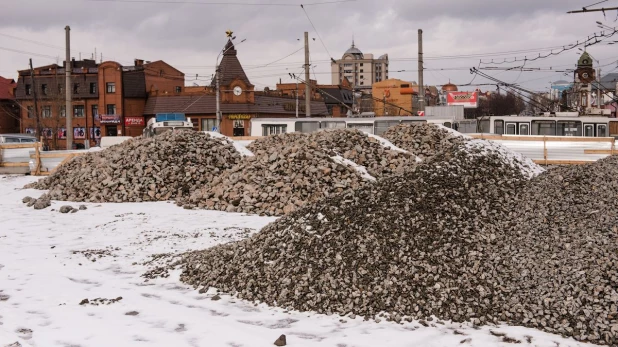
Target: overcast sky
{"points": [[189, 35]]}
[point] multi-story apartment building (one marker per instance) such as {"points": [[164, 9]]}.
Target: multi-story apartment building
{"points": [[108, 99], [362, 70]]}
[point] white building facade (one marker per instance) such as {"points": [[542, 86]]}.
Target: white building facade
{"points": [[362, 70]]}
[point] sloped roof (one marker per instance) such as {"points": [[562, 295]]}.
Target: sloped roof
{"points": [[336, 96], [230, 67], [6, 85], [206, 104]]}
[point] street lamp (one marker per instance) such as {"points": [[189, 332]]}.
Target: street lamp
{"points": [[217, 81]]}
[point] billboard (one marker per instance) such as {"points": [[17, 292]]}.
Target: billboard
{"points": [[465, 99]]}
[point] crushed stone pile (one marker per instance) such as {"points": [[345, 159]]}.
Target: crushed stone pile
{"points": [[463, 236], [289, 170], [411, 245], [164, 167], [425, 140], [351, 144]]}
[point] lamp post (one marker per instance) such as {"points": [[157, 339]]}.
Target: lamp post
{"points": [[217, 81]]}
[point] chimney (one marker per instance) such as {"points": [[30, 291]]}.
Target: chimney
{"points": [[139, 62]]}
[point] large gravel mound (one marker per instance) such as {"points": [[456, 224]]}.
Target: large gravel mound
{"points": [[410, 245], [167, 166], [290, 170], [463, 236]]}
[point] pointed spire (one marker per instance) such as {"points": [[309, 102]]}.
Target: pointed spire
{"points": [[352, 40]]}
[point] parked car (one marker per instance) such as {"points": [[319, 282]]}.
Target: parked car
{"points": [[16, 138]]}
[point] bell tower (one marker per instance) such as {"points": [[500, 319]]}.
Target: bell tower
{"points": [[584, 76]]}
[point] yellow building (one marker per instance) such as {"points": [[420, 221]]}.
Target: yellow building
{"points": [[396, 97]]}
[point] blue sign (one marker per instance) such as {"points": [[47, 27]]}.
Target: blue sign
{"points": [[162, 117], [214, 128]]}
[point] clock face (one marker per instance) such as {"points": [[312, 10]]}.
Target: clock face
{"points": [[585, 61], [237, 90], [585, 75]]}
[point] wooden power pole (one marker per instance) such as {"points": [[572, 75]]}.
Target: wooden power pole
{"points": [[307, 85], [421, 88], [68, 90]]}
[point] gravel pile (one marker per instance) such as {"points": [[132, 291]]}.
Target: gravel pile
{"points": [[289, 170], [463, 236], [168, 166], [410, 245], [425, 140]]}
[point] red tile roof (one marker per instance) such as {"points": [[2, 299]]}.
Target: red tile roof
{"points": [[206, 104], [6, 87]]}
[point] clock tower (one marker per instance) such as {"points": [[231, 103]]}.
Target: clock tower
{"points": [[584, 76]]}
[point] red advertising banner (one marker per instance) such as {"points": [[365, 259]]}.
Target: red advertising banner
{"points": [[109, 118], [134, 121], [465, 99]]}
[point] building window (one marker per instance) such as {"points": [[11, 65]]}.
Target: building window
{"points": [[28, 89], [30, 112], [362, 83], [93, 88], [111, 109], [78, 111], [110, 87], [178, 89], [75, 88], [62, 111], [44, 89], [208, 124], [361, 70], [272, 129], [60, 89], [95, 110], [47, 112], [361, 64], [362, 77]]}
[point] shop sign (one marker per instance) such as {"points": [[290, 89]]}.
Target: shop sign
{"points": [[239, 116], [134, 121], [109, 118]]}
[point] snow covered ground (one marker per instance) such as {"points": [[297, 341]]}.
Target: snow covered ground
{"points": [[50, 262]]}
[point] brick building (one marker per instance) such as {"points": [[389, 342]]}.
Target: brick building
{"points": [[108, 99], [338, 98], [9, 109], [239, 102]]}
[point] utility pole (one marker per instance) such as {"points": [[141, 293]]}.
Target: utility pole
{"points": [[296, 97], [218, 105], [35, 106], [307, 86], [421, 88], [599, 85], [67, 89]]}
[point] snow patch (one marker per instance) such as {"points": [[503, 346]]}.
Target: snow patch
{"points": [[242, 149], [527, 167], [359, 168]]}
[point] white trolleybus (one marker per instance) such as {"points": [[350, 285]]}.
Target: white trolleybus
{"points": [[163, 122]]}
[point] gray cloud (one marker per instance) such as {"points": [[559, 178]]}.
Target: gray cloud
{"points": [[190, 35]]}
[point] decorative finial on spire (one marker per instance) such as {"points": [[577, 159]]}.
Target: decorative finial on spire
{"points": [[352, 40], [229, 33]]}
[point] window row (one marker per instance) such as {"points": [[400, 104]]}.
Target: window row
{"points": [[78, 111], [110, 87], [551, 128]]}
